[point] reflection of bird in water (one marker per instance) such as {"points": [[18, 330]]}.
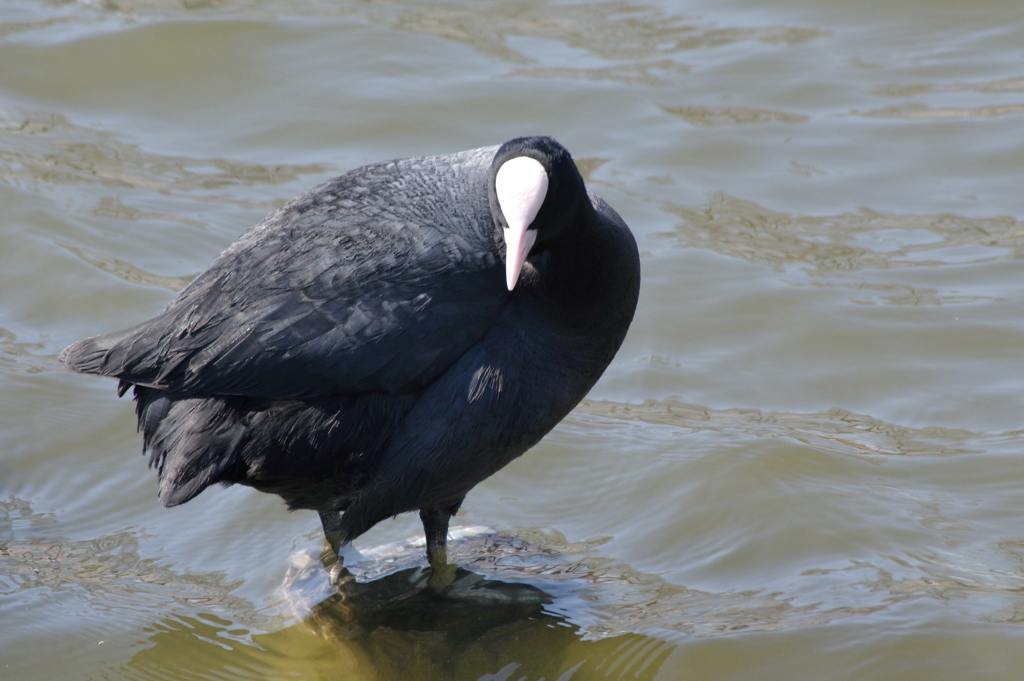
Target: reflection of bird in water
{"points": [[393, 629], [386, 341], [540, 610]]}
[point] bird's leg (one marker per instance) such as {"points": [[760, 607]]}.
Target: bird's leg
{"points": [[435, 527], [331, 521], [331, 557]]}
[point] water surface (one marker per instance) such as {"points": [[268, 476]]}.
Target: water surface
{"points": [[805, 462]]}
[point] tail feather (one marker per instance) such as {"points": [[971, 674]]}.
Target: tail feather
{"points": [[132, 354], [88, 356], [191, 442]]}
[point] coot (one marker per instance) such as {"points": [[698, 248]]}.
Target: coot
{"points": [[385, 341]]}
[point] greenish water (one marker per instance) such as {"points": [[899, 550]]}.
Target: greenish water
{"points": [[805, 462]]}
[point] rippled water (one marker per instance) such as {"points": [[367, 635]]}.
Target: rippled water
{"points": [[805, 462]]}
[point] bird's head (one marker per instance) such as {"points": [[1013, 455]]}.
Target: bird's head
{"points": [[536, 192]]}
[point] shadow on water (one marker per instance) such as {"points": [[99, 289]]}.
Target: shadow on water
{"points": [[507, 634], [479, 642], [397, 627], [493, 621]]}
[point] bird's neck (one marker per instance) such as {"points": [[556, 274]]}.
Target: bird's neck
{"points": [[575, 269]]}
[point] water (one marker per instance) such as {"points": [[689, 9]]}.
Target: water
{"points": [[804, 462]]}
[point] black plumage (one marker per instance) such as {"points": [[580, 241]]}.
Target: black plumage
{"points": [[359, 351]]}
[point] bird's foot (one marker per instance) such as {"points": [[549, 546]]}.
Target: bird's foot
{"points": [[334, 564], [434, 579], [442, 576]]}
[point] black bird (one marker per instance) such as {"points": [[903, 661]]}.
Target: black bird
{"points": [[385, 341]]}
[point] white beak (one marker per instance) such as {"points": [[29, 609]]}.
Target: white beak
{"points": [[521, 186], [518, 243]]}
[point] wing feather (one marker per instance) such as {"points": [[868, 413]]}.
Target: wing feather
{"points": [[352, 287]]}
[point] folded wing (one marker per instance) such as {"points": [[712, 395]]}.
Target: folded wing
{"points": [[340, 291]]}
